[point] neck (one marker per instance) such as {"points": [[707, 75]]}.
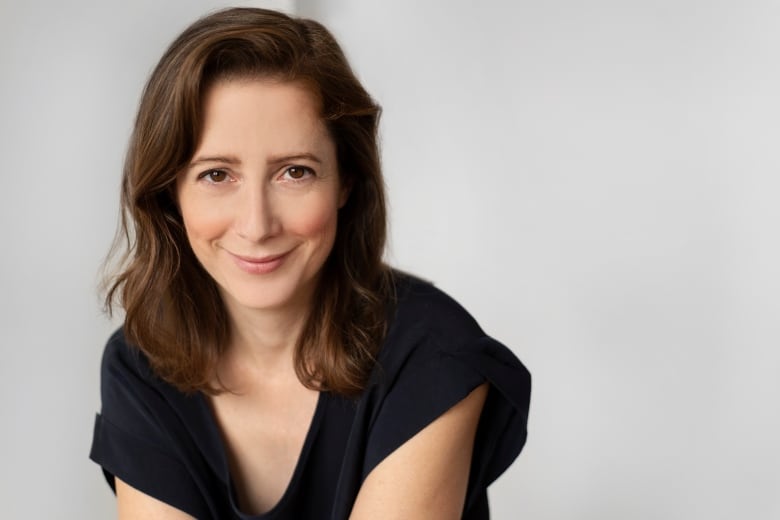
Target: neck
{"points": [[262, 343]]}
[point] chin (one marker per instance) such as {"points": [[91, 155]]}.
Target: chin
{"points": [[283, 292]]}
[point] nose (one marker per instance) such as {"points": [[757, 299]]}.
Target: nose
{"points": [[256, 220]]}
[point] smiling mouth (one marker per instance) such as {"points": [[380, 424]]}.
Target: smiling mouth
{"points": [[259, 265]]}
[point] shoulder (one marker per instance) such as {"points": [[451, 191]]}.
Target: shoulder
{"points": [[120, 354], [426, 301], [434, 356], [133, 398], [426, 317], [142, 434], [124, 364]]}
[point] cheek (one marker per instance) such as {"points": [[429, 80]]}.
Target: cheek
{"points": [[202, 223], [316, 219]]}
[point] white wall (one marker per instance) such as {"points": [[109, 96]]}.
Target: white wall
{"points": [[595, 181], [598, 182]]}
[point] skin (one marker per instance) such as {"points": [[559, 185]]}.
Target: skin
{"points": [[260, 202]]}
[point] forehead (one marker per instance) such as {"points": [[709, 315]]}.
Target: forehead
{"points": [[261, 112]]}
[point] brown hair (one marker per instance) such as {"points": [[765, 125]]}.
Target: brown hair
{"points": [[174, 312]]}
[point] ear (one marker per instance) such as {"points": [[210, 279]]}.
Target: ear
{"points": [[344, 191]]}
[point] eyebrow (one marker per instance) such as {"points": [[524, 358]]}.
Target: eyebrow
{"points": [[294, 157], [229, 159], [214, 158]]}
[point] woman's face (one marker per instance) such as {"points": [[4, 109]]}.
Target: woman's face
{"points": [[261, 195]]}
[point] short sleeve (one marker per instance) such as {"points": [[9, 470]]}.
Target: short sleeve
{"points": [[132, 440], [436, 356]]}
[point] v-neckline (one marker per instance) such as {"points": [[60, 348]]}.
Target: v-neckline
{"points": [[224, 466]]}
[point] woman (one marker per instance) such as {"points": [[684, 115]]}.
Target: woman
{"points": [[270, 365]]}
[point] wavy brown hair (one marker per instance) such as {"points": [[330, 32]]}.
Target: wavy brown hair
{"points": [[173, 311]]}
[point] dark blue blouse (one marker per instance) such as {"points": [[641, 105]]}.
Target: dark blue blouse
{"points": [[168, 445]]}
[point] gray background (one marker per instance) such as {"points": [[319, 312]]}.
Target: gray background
{"points": [[596, 181]]}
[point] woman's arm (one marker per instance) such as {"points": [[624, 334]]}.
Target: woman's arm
{"points": [[426, 477], [133, 504]]}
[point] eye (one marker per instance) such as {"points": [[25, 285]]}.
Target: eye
{"points": [[214, 176], [297, 173]]}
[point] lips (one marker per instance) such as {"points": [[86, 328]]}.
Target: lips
{"points": [[259, 265]]}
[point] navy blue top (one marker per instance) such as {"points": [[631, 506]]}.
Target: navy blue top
{"points": [[168, 444]]}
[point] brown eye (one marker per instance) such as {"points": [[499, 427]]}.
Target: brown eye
{"points": [[214, 176], [297, 173]]}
